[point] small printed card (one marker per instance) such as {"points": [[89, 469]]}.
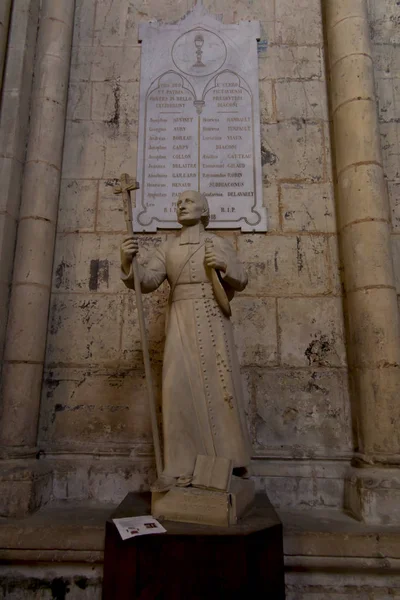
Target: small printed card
{"points": [[133, 526]]}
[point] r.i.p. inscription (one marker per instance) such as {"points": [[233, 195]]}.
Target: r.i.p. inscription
{"points": [[199, 122]]}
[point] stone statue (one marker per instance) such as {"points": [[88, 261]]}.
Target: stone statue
{"points": [[202, 403]]}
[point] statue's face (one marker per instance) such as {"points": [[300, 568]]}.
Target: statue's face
{"points": [[189, 208]]}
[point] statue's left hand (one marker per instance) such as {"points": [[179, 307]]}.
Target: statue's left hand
{"points": [[129, 249], [214, 259]]}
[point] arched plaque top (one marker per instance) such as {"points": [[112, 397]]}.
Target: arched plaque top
{"points": [[199, 52]]}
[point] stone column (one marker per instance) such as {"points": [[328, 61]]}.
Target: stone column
{"points": [[29, 305], [5, 13], [364, 228]]}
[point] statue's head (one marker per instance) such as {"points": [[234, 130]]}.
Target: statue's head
{"points": [[192, 207]]}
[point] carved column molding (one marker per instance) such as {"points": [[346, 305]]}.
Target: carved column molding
{"points": [[29, 305], [364, 228], [5, 14]]}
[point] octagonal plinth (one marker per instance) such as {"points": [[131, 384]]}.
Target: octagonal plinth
{"points": [[195, 561]]}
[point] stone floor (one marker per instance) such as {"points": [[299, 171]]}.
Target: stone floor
{"points": [[57, 554]]}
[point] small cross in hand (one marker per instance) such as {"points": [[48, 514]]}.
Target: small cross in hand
{"points": [[127, 184]]}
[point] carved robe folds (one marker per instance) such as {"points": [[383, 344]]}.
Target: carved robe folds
{"points": [[202, 399]]}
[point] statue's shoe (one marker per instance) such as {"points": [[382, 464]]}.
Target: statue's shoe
{"points": [[242, 472], [163, 484]]}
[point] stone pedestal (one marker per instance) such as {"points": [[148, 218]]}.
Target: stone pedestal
{"points": [[196, 561], [373, 495], [24, 487]]}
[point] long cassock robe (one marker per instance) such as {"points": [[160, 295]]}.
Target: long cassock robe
{"points": [[202, 401]]}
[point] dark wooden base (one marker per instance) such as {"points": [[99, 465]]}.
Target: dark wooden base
{"points": [[196, 561]]}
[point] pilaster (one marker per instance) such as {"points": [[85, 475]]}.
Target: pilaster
{"points": [[364, 228], [5, 13], [30, 294]]}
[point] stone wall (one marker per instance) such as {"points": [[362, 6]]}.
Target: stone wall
{"points": [[94, 433], [289, 321]]}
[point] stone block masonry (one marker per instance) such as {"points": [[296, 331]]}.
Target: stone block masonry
{"points": [[316, 329], [93, 348], [291, 332]]}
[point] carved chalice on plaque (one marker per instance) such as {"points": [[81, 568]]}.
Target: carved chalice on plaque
{"points": [[199, 43]]}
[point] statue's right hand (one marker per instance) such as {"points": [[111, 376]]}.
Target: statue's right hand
{"points": [[129, 249]]}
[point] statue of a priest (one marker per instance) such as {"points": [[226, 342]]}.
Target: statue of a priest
{"points": [[202, 400]]}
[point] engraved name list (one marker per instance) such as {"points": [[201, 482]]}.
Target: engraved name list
{"points": [[199, 122]]}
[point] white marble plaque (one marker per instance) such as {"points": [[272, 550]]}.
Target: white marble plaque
{"points": [[199, 122]]}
